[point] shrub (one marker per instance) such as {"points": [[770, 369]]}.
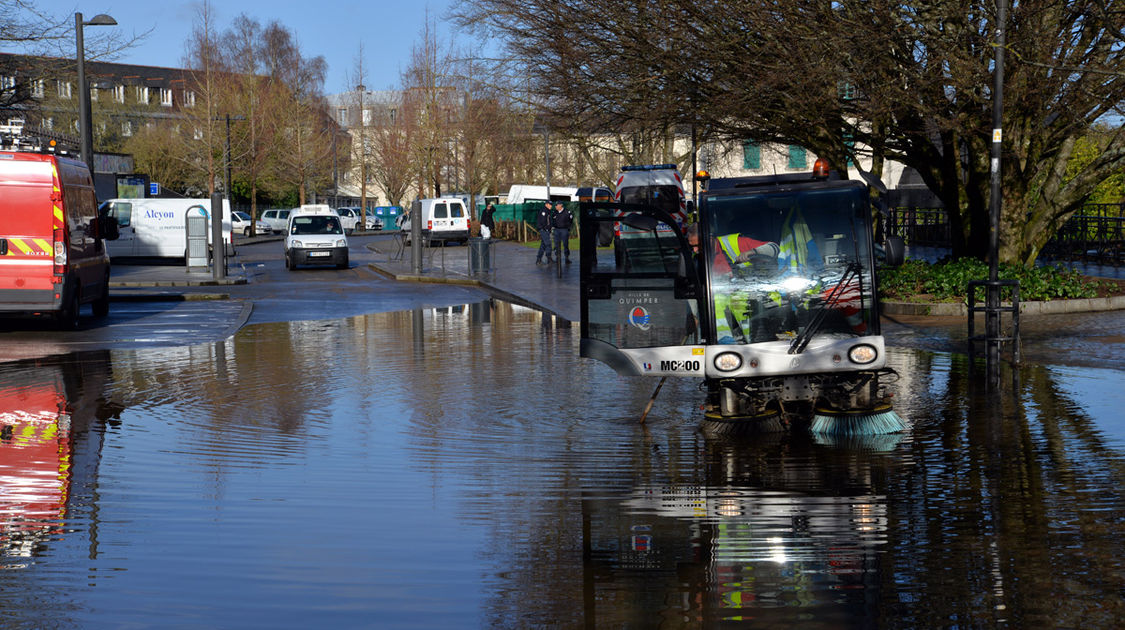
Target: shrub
{"points": [[948, 281]]}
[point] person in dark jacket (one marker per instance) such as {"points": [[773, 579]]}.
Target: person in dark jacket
{"points": [[486, 218], [543, 224], [562, 222]]}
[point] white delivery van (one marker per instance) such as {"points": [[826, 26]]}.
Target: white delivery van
{"points": [[445, 218], [523, 193], [158, 227], [315, 236]]}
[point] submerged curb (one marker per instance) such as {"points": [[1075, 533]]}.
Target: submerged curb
{"points": [[1051, 307], [165, 296]]}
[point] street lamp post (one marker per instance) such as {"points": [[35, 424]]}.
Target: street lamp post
{"points": [[85, 122], [362, 159]]}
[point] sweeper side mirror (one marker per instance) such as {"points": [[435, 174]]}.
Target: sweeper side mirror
{"points": [[893, 251]]}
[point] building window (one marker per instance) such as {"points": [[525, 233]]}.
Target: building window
{"points": [[847, 91], [93, 93], [142, 95], [394, 115], [49, 122], [751, 155], [189, 98], [166, 97], [38, 88], [197, 133], [64, 89], [342, 116], [127, 128], [119, 93], [797, 158], [7, 82]]}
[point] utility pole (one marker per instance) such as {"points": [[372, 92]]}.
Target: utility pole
{"points": [[992, 323], [362, 159]]}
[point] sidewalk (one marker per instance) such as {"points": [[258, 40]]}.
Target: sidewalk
{"points": [[514, 275]]}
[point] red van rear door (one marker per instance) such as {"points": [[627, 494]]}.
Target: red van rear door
{"points": [[30, 207]]}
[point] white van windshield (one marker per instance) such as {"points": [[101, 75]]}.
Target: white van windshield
{"points": [[316, 225]]}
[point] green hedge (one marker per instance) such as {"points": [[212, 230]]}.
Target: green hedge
{"points": [[949, 281]]}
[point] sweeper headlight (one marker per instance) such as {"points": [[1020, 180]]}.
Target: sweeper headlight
{"points": [[728, 361], [863, 354]]}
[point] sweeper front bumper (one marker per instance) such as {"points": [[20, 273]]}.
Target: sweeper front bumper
{"points": [[823, 355]]}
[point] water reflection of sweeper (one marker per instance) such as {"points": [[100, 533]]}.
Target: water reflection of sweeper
{"points": [[770, 298]]}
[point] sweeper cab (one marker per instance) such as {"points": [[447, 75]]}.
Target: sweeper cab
{"points": [[769, 296]]}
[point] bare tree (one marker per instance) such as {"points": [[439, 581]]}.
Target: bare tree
{"points": [[210, 80], [254, 95], [305, 130], [361, 150], [430, 99], [909, 81], [392, 145], [44, 42]]}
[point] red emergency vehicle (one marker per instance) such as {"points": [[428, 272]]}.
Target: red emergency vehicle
{"points": [[52, 250]]}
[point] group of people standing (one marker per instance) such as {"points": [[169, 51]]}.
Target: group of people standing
{"points": [[554, 223]]}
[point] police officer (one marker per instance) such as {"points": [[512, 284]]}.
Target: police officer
{"points": [[561, 222], [543, 224]]}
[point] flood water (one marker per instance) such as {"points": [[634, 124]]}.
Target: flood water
{"points": [[461, 467]]}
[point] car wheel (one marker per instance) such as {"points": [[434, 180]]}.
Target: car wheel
{"points": [[67, 318], [101, 305], [246, 232], [290, 262]]}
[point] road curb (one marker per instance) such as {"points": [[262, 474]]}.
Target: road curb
{"points": [[166, 296], [1048, 307], [493, 290]]}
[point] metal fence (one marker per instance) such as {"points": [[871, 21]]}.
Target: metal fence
{"points": [[1094, 234]]}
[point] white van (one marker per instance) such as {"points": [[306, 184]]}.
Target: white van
{"points": [[523, 193], [315, 236], [158, 227], [445, 218]]}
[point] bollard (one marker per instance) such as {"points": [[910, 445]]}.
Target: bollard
{"points": [[218, 246]]}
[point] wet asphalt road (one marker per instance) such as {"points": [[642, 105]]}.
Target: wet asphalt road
{"points": [[162, 305]]}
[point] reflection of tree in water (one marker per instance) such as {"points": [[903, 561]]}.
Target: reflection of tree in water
{"points": [[1003, 516]]}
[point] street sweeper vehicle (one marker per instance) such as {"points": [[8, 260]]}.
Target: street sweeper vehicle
{"points": [[769, 297]]}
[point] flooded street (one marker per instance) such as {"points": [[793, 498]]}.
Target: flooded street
{"points": [[462, 467]]}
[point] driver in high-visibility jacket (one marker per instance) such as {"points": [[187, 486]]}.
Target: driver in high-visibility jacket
{"points": [[736, 255]]}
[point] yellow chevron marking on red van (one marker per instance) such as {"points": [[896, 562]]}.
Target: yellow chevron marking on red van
{"points": [[33, 247]]}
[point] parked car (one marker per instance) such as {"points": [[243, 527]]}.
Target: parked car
{"points": [[240, 222], [374, 222], [278, 220], [349, 218]]}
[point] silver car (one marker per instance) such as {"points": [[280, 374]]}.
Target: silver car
{"points": [[240, 222]]}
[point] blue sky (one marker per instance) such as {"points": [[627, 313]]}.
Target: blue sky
{"points": [[388, 29]]}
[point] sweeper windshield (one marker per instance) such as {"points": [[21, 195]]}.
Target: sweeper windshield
{"points": [[788, 263]]}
